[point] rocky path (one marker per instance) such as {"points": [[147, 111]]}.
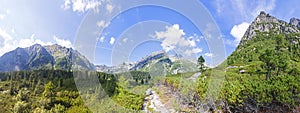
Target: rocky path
{"points": [[153, 103], [164, 104], [195, 76]]}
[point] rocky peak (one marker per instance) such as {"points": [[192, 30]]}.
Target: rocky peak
{"points": [[295, 22], [146, 60], [43, 57], [265, 18], [265, 22]]}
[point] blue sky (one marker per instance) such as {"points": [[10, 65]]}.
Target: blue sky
{"points": [[116, 35]]}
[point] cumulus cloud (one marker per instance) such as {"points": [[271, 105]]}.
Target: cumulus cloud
{"points": [[238, 31], [81, 6], [174, 38], [26, 42], [62, 42], [112, 40], [9, 43], [109, 8]]}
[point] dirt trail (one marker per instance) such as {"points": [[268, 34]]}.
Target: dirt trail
{"points": [[153, 103], [195, 76]]}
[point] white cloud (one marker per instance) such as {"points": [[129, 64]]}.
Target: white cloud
{"points": [[4, 38], [66, 4], [11, 44], [109, 8], [26, 42], [101, 39], [238, 31], [81, 6], [190, 52], [175, 39], [209, 54], [102, 23], [8, 43], [62, 42], [192, 41], [112, 40], [173, 36], [125, 40], [78, 5]]}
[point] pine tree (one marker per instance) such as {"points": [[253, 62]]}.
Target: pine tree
{"points": [[201, 62]]}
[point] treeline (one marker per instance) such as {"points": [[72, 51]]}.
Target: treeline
{"points": [[40, 91], [55, 91], [140, 77]]}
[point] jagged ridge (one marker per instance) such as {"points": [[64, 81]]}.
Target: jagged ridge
{"points": [[39, 57]]}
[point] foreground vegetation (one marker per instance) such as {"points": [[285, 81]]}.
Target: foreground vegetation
{"points": [[55, 91]]}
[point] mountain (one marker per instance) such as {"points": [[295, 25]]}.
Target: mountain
{"points": [[263, 72], [157, 63], [268, 32], [43, 57]]}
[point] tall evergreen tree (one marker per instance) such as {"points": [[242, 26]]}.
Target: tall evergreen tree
{"points": [[201, 62]]}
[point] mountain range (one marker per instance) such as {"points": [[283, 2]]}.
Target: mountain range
{"points": [[157, 63], [61, 58], [38, 57]]}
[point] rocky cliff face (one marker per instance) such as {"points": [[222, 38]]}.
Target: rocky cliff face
{"points": [[295, 22], [39, 57], [150, 58], [267, 23], [267, 32]]}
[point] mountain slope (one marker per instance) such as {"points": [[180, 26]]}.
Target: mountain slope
{"points": [[263, 72], [156, 63], [38, 57], [267, 32]]}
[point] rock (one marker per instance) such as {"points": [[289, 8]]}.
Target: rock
{"points": [[265, 22], [295, 22], [148, 92]]}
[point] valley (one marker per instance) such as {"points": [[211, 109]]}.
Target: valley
{"points": [[261, 75]]}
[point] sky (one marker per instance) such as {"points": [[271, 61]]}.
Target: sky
{"points": [[114, 31]]}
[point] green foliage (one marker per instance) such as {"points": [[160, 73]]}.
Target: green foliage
{"points": [[129, 100], [21, 107], [271, 78], [201, 62]]}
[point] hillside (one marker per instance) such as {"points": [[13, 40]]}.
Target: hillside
{"points": [[263, 72], [38, 57], [268, 32]]}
